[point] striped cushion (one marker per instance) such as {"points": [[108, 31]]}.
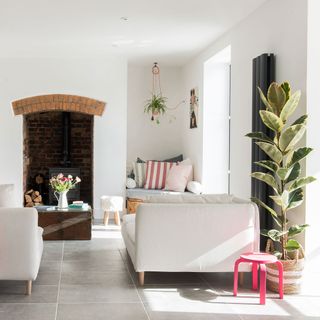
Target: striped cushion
{"points": [[157, 173], [139, 170]]}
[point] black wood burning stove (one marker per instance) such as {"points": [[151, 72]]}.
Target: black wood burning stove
{"points": [[65, 169]]}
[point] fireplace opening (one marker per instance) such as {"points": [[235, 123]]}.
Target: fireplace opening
{"points": [[58, 142]]}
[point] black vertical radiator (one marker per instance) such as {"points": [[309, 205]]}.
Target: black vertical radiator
{"points": [[263, 74]]}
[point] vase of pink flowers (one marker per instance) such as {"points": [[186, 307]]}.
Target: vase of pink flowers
{"points": [[61, 185]]}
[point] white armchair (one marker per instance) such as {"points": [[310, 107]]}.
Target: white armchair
{"points": [[21, 245]]}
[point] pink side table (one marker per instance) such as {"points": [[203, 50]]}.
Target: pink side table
{"points": [[258, 261]]}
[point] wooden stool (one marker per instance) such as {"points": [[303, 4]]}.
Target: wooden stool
{"points": [[258, 261], [111, 204]]}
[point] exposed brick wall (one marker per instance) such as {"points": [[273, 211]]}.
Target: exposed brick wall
{"points": [[43, 145], [58, 102]]}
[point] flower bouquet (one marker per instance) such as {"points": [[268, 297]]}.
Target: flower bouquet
{"points": [[61, 185]]}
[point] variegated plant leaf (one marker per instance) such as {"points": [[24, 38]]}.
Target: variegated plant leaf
{"points": [[272, 151], [271, 120], [291, 136], [290, 106]]}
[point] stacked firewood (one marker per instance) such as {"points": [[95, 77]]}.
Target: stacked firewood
{"points": [[32, 198]]}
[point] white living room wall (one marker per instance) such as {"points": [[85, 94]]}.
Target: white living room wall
{"points": [[281, 31], [145, 138], [313, 134], [103, 79]]}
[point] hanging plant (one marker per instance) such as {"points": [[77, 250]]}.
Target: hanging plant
{"points": [[156, 106]]}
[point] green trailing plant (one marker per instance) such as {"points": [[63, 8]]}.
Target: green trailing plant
{"points": [[283, 168], [156, 106]]}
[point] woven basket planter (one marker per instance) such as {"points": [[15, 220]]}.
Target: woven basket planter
{"points": [[292, 276], [292, 272]]}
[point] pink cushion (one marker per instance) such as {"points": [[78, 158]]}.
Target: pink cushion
{"points": [[188, 162], [157, 172], [178, 178]]}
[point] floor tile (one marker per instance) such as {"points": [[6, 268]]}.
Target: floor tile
{"points": [[81, 254], [47, 278], [40, 294], [163, 278], [97, 294], [32, 311], [50, 266], [52, 250], [93, 266], [188, 299], [104, 278], [98, 311], [177, 314]]}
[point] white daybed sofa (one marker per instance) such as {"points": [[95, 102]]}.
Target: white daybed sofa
{"points": [[180, 233], [21, 245]]}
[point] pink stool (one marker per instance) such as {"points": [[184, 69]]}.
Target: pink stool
{"points": [[258, 260]]}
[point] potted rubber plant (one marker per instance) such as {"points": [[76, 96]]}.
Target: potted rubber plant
{"points": [[156, 106], [283, 175]]}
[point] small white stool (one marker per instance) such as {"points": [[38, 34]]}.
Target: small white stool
{"points": [[111, 204]]}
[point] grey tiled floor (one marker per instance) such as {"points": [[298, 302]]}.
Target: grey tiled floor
{"points": [[95, 280]]}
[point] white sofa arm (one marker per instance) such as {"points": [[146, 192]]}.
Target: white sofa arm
{"points": [[194, 237], [21, 244]]}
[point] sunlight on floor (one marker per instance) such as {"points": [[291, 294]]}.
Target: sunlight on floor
{"points": [[204, 300], [111, 231]]}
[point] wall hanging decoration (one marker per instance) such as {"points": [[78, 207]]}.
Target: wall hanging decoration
{"points": [[194, 107], [156, 106]]}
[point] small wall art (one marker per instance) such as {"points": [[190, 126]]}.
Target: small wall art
{"points": [[194, 107]]}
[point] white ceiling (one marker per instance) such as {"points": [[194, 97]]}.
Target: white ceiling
{"points": [[167, 31]]}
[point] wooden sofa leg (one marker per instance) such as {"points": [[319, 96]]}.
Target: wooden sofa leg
{"points": [[141, 278], [29, 287]]}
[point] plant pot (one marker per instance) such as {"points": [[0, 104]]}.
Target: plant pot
{"points": [[292, 276]]}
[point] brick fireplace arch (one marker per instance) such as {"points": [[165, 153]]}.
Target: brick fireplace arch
{"points": [[58, 102]]}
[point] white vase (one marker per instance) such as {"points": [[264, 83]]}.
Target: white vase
{"points": [[62, 199]]}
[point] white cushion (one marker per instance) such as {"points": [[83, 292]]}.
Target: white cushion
{"points": [[130, 183], [7, 196], [139, 170], [194, 187]]}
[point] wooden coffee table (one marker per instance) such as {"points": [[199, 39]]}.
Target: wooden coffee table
{"points": [[67, 224]]}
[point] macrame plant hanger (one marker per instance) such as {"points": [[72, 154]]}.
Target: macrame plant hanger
{"points": [[157, 92], [156, 84], [156, 80]]}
